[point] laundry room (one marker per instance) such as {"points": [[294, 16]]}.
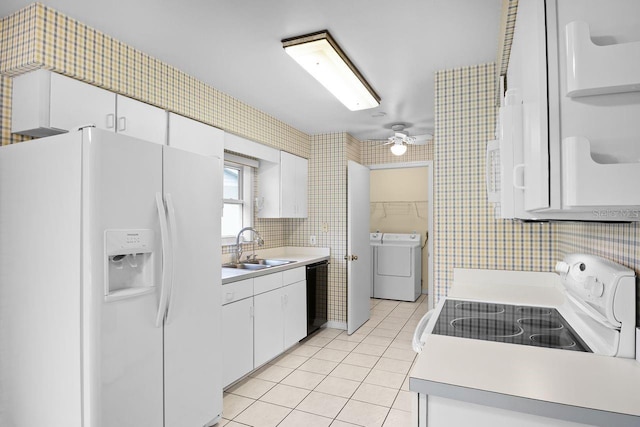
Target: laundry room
{"points": [[400, 206]]}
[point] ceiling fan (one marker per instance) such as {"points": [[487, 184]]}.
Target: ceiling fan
{"points": [[401, 139]]}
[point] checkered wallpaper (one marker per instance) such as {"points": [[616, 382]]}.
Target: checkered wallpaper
{"points": [[466, 234], [510, 9]]}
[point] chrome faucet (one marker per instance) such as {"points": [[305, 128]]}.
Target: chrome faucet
{"points": [[257, 240]]}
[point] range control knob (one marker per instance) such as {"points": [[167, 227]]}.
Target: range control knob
{"points": [[562, 268], [594, 287]]}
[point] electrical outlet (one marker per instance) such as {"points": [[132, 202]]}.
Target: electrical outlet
{"points": [[325, 227], [312, 240]]}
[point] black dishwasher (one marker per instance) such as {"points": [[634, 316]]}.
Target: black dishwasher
{"points": [[317, 289]]}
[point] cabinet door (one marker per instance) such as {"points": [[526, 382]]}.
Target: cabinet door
{"points": [[237, 340], [293, 186], [194, 136], [288, 185], [295, 313], [302, 177], [140, 120], [74, 103], [268, 326]]}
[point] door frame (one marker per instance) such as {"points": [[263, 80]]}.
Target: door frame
{"points": [[429, 165]]}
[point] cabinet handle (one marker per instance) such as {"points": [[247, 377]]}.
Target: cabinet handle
{"points": [[111, 118], [122, 124]]}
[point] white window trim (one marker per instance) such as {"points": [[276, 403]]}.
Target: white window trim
{"points": [[247, 192]]}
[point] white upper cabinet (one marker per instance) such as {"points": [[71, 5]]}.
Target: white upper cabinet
{"points": [[140, 120], [283, 187], [293, 186], [45, 103], [194, 136]]}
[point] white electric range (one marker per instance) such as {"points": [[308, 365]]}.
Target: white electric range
{"points": [[497, 344]]}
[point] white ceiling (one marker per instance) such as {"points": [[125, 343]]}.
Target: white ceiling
{"points": [[234, 45]]}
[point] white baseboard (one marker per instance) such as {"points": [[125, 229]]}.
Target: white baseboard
{"points": [[337, 325]]}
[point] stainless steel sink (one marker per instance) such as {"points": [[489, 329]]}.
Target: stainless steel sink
{"points": [[245, 266], [256, 264], [270, 262]]}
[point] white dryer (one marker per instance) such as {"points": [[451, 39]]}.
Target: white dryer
{"points": [[397, 267]]}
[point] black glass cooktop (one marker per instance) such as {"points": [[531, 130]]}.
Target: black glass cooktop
{"points": [[536, 326]]}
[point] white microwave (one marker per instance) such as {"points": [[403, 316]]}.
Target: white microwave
{"points": [[568, 137]]}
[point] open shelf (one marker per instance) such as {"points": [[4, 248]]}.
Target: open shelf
{"points": [[587, 183], [598, 70]]}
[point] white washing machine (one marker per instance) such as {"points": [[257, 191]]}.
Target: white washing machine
{"points": [[397, 267], [375, 240]]}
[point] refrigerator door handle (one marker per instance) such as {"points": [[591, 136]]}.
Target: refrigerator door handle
{"points": [[172, 228], [167, 262]]}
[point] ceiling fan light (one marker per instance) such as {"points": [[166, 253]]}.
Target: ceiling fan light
{"points": [[321, 57], [398, 149]]}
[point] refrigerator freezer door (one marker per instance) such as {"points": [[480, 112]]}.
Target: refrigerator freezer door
{"points": [[40, 283], [124, 345], [193, 361]]}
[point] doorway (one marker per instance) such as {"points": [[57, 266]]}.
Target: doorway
{"points": [[401, 201]]}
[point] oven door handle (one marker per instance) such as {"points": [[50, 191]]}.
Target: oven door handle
{"points": [[417, 342]]}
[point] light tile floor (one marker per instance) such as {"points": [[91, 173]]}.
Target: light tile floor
{"points": [[335, 379]]}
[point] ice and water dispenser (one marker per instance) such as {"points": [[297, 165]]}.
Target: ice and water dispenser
{"points": [[129, 263]]}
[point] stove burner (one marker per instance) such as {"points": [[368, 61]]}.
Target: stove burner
{"points": [[487, 327], [534, 323], [557, 341], [534, 311], [506, 323], [480, 307]]}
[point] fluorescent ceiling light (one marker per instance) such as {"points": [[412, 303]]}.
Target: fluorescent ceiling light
{"points": [[321, 56], [398, 148]]}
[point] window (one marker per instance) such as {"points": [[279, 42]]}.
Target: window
{"points": [[236, 196]]}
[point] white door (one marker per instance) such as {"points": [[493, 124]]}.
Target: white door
{"points": [[123, 344], [194, 136], [358, 248], [141, 120], [268, 324], [69, 106], [288, 185], [295, 313], [237, 336], [192, 357]]}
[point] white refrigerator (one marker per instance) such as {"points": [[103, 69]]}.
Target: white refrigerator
{"points": [[109, 283]]}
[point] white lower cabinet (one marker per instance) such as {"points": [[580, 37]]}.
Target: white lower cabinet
{"points": [[268, 333], [237, 340], [237, 330], [261, 318], [295, 313]]}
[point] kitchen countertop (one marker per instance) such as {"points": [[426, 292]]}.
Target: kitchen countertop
{"points": [[301, 255], [574, 386]]}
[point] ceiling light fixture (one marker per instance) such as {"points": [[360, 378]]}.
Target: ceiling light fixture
{"points": [[398, 148], [321, 56]]}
